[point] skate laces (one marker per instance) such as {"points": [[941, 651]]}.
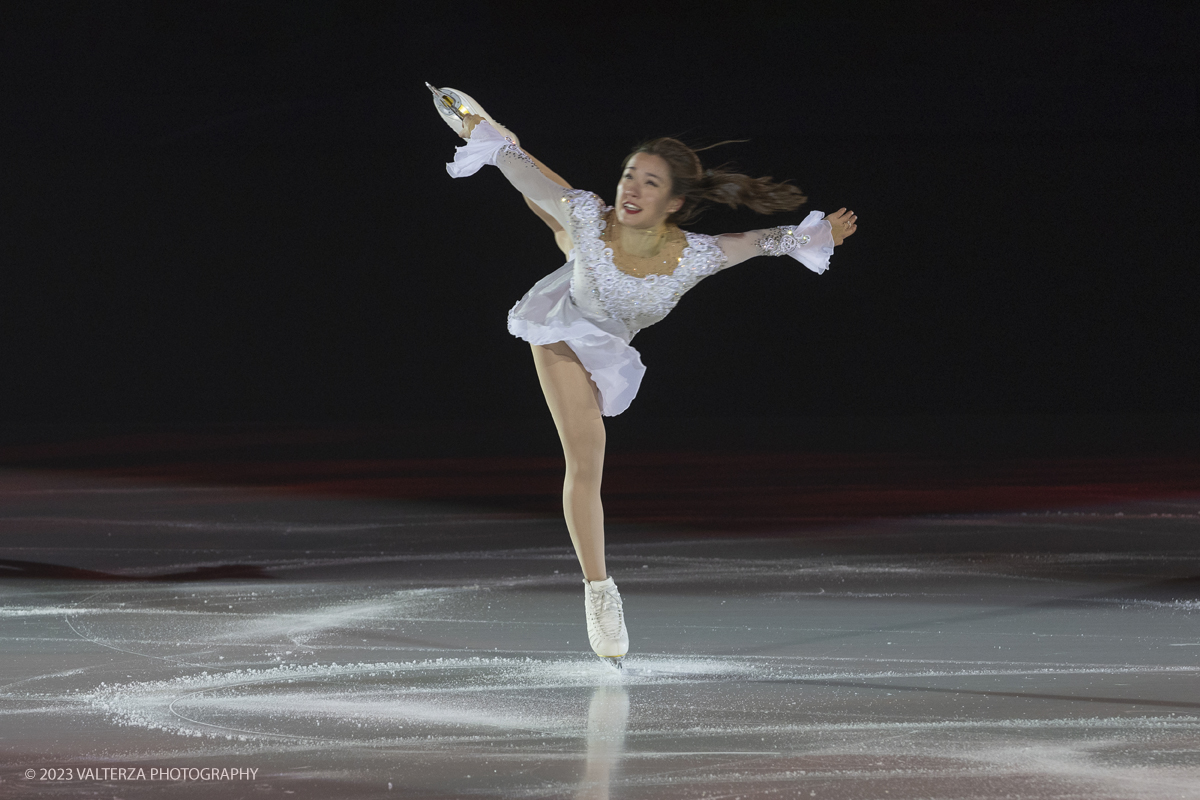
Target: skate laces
{"points": [[606, 611]]}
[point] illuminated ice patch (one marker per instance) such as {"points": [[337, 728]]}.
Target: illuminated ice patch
{"points": [[393, 700], [456, 699]]}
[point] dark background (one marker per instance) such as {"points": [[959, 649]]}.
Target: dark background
{"points": [[238, 211]]}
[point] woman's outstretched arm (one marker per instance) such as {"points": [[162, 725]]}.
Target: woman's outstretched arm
{"points": [[540, 197], [554, 176], [561, 237], [811, 242]]}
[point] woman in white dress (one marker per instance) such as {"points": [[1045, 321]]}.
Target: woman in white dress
{"points": [[627, 266]]}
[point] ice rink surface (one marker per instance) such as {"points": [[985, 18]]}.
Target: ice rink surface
{"points": [[352, 629]]}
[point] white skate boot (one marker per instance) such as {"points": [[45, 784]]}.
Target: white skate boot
{"points": [[462, 103], [605, 620]]}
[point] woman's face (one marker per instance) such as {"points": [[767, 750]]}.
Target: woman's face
{"points": [[644, 192]]}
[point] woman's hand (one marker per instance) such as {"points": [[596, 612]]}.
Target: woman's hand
{"points": [[469, 123], [842, 223]]}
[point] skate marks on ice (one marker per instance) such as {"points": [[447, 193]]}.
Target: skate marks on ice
{"points": [[449, 699], [891, 682], [759, 668], [669, 726], [747, 606]]}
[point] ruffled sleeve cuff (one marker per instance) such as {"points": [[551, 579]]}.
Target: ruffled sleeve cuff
{"points": [[814, 242], [479, 151]]}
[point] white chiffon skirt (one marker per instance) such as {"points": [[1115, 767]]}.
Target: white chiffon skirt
{"points": [[547, 314]]}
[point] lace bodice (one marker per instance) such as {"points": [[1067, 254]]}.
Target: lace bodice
{"points": [[598, 286]]}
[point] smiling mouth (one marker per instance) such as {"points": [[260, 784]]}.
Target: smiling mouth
{"points": [[630, 208]]}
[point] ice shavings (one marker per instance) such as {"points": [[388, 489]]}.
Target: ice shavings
{"points": [[456, 697]]}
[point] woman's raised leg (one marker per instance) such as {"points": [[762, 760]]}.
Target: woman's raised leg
{"points": [[575, 405]]}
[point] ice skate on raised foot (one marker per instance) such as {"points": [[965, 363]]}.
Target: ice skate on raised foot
{"points": [[605, 620], [453, 105]]}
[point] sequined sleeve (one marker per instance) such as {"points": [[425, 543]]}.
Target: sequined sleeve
{"points": [[810, 243], [523, 173]]}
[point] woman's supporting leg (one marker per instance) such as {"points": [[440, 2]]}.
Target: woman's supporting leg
{"points": [[575, 405]]}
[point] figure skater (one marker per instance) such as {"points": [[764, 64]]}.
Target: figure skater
{"points": [[627, 266]]}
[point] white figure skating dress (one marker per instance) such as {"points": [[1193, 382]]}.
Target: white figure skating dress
{"points": [[590, 304]]}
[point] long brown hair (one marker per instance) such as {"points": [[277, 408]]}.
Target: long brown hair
{"points": [[699, 186]]}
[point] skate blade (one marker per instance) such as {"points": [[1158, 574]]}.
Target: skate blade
{"points": [[612, 661]]}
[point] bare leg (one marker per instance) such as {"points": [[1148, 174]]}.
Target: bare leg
{"points": [[575, 405]]}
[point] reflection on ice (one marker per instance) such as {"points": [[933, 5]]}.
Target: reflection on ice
{"points": [[608, 715]]}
